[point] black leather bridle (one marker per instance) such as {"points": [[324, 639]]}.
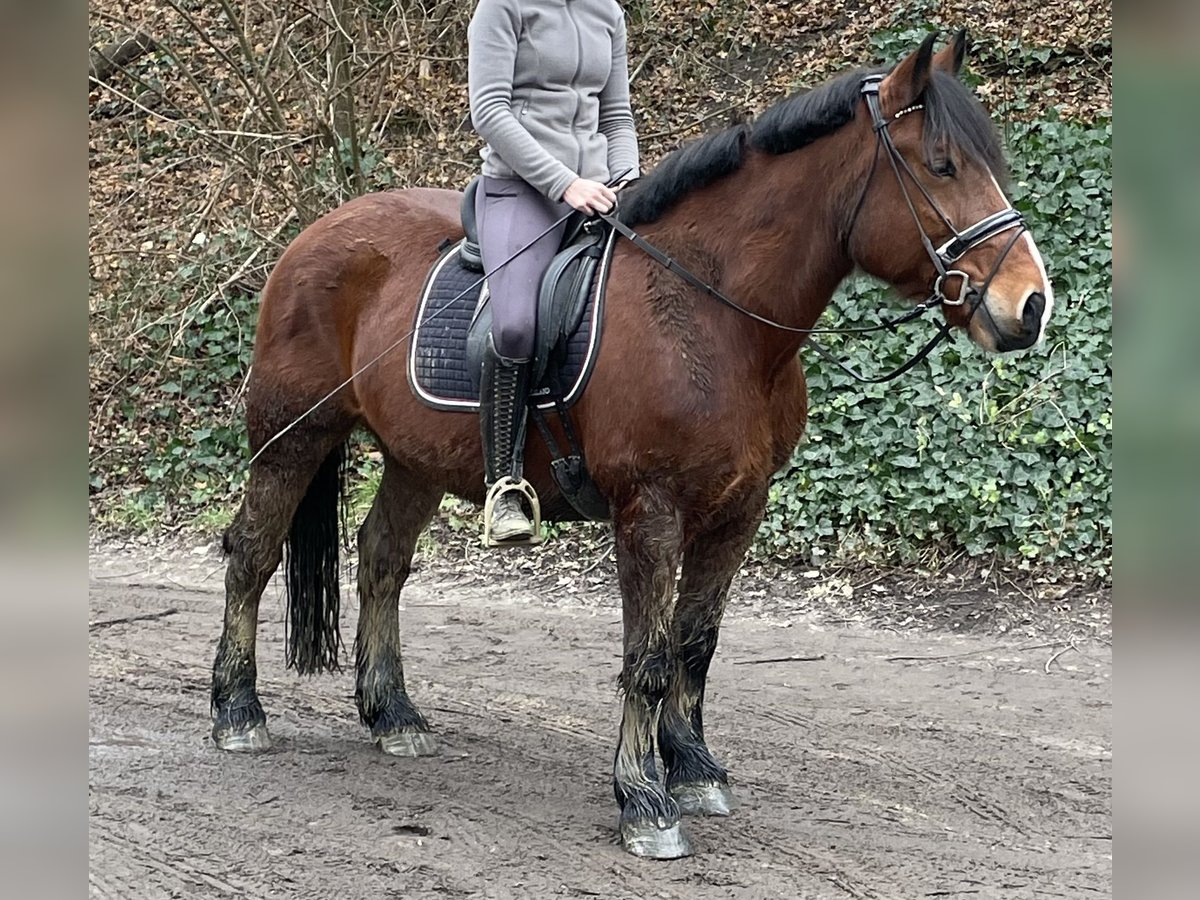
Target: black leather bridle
{"points": [[956, 247], [943, 256]]}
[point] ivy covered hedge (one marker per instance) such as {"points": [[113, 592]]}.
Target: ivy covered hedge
{"points": [[1007, 455]]}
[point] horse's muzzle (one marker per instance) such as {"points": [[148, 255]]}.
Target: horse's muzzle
{"points": [[1028, 327]]}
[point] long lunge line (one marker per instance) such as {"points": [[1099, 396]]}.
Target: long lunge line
{"points": [[400, 340]]}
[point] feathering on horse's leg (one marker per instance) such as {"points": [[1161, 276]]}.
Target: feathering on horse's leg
{"points": [[386, 542], [291, 496], [697, 781], [253, 546], [648, 542]]}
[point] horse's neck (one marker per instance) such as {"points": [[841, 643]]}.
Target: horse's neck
{"points": [[772, 231]]}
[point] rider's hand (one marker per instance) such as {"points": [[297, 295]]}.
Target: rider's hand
{"points": [[590, 196]]}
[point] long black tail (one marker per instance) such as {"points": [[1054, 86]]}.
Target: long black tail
{"points": [[312, 572]]}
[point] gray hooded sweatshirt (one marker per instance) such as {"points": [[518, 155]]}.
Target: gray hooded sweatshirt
{"points": [[549, 89]]}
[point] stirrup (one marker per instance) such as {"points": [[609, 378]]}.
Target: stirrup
{"points": [[525, 489]]}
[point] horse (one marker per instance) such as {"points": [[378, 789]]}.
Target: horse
{"points": [[691, 407]]}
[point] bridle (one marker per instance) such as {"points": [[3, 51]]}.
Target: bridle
{"points": [[943, 256], [961, 243]]}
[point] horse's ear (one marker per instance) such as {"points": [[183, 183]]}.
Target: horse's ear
{"points": [[905, 83], [950, 58]]}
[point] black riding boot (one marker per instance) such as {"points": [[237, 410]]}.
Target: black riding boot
{"points": [[503, 393]]}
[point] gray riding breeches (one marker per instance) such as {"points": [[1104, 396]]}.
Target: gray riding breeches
{"points": [[509, 214]]}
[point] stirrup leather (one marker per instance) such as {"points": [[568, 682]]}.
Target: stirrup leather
{"points": [[506, 485]]}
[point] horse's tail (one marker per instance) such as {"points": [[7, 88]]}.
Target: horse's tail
{"points": [[312, 571]]}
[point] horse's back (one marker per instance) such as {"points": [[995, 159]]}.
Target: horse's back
{"points": [[361, 236]]}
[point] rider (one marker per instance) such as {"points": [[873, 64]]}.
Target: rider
{"points": [[549, 93]]}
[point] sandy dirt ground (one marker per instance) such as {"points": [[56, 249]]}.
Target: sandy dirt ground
{"points": [[869, 762]]}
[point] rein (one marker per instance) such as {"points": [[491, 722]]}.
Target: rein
{"points": [[673, 265], [943, 257]]}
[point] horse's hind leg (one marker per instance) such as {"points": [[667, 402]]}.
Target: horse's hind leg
{"points": [[306, 462], [648, 540], [695, 779], [386, 542]]}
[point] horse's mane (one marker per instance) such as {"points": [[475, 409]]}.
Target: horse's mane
{"points": [[953, 117]]}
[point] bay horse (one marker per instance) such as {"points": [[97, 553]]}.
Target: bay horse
{"points": [[692, 405]]}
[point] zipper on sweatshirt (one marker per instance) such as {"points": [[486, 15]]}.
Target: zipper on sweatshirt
{"points": [[575, 86]]}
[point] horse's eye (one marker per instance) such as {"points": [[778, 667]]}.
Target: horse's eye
{"points": [[943, 168]]}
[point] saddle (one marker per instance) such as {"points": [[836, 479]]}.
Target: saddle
{"points": [[454, 318]]}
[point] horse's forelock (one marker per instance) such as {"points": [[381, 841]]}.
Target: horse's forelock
{"points": [[955, 117]]}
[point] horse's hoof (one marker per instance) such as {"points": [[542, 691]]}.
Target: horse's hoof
{"points": [[249, 740], [704, 799], [648, 840], [408, 743]]}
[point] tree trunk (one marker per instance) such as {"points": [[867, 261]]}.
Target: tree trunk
{"points": [[341, 72]]}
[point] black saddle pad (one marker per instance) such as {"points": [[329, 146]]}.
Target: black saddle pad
{"points": [[438, 371]]}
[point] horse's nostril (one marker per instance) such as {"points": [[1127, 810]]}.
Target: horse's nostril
{"points": [[1031, 315]]}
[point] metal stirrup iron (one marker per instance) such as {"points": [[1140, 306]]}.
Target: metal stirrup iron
{"points": [[507, 485]]}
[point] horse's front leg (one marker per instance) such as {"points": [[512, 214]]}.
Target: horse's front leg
{"points": [[698, 783], [648, 543]]}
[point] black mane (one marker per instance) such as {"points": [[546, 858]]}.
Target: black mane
{"points": [[696, 164], [953, 117], [802, 118]]}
